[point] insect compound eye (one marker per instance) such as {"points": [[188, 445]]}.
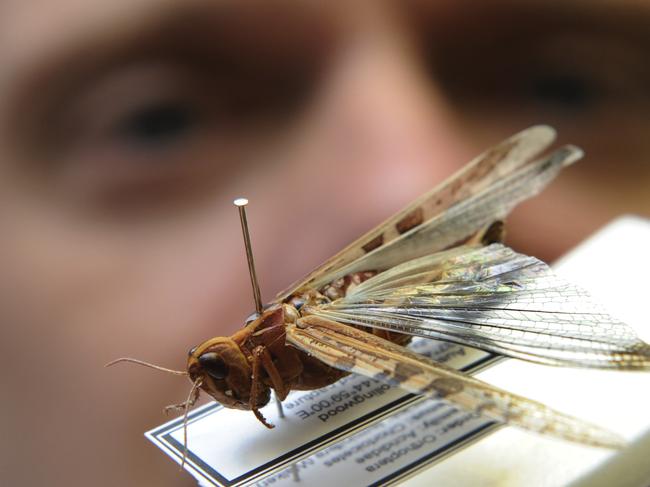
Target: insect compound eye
{"points": [[214, 365]]}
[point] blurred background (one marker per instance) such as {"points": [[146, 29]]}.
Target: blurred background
{"points": [[127, 128]]}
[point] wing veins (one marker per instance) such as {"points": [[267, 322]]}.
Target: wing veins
{"points": [[356, 351]]}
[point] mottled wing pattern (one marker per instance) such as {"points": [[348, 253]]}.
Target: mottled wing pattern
{"points": [[464, 218], [353, 350], [477, 178], [494, 299]]}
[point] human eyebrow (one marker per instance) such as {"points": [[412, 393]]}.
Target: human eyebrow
{"points": [[436, 28], [445, 18]]}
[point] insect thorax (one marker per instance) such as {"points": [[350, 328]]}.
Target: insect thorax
{"points": [[330, 292], [305, 302]]}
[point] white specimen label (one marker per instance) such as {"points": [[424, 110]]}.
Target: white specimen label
{"points": [[358, 429]]}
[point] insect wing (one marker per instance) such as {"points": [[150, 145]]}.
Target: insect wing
{"points": [[353, 350], [494, 299], [465, 218], [401, 230]]}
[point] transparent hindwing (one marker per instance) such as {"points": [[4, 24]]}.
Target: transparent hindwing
{"points": [[495, 299]]}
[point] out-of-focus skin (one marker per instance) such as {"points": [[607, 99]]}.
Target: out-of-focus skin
{"points": [[127, 128]]}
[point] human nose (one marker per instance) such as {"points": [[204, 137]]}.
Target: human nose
{"points": [[381, 116]]}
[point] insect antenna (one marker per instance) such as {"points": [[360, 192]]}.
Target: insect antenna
{"points": [[190, 400], [145, 364], [241, 203]]}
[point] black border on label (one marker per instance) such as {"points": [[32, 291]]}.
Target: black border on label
{"points": [[163, 435]]}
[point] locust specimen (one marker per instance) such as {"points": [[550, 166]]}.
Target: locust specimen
{"points": [[436, 269]]}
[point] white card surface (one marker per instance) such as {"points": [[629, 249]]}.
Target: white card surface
{"points": [[361, 432], [613, 265], [229, 447]]}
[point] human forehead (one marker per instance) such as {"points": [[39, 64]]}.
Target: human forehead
{"points": [[31, 26], [43, 31], [44, 28], [40, 21]]}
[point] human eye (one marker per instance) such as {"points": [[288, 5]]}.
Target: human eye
{"points": [[566, 75], [155, 125], [526, 66], [134, 136], [172, 113], [136, 113], [144, 135]]}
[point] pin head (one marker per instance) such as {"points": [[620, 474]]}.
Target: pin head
{"points": [[240, 202]]}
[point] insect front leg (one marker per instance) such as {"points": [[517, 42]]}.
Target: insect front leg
{"points": [[281, 363], [187, 404], [255, 386], [281, 388], [263, 359]]}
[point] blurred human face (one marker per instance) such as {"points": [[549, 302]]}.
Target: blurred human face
{"points": [[127, 128]]}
